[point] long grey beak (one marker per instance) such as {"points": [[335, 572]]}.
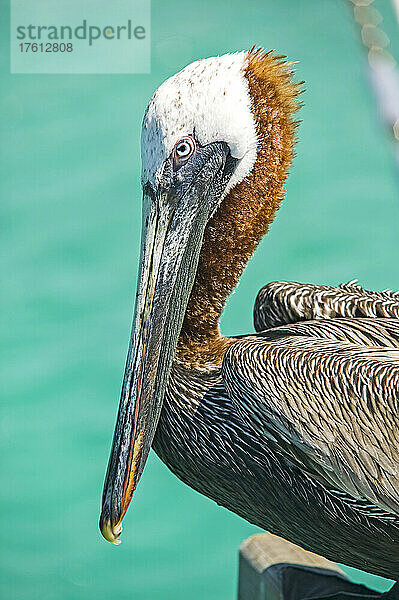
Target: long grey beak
{"points": [[174, 220]]}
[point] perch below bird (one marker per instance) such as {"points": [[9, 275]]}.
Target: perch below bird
{"points": [[295, 428]]}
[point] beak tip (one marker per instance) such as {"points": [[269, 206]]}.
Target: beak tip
{"points": [[109, 532]]}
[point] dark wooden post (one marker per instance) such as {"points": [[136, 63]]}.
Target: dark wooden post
{"points": [[263, 550]]}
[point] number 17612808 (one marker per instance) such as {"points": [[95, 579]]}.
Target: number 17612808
{"points": [[45, 47]]}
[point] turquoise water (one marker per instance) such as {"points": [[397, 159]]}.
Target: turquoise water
{"points": [[71, 218]]}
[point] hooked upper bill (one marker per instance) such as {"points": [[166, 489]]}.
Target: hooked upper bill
{"points": [[176, 212]]}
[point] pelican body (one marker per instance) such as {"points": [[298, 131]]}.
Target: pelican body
{"points": [[295, 427]]}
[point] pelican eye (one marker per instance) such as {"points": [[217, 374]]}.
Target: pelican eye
{"points": [[183, 150]]}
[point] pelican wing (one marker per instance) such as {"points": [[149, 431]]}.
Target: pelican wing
{"points": [[282, 302], [325, 393]]}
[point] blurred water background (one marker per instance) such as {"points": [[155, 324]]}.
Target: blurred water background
{"points": [[70, 239]]}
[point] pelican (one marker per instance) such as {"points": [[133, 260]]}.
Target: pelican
{"points": [[294, 427]]}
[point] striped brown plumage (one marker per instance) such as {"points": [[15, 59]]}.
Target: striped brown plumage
{"points": [[297, 432]]}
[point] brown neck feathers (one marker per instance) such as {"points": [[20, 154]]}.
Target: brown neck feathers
{"points": [[245, 214]]}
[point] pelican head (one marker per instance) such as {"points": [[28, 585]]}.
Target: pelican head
{"points": [[208, 130]]}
